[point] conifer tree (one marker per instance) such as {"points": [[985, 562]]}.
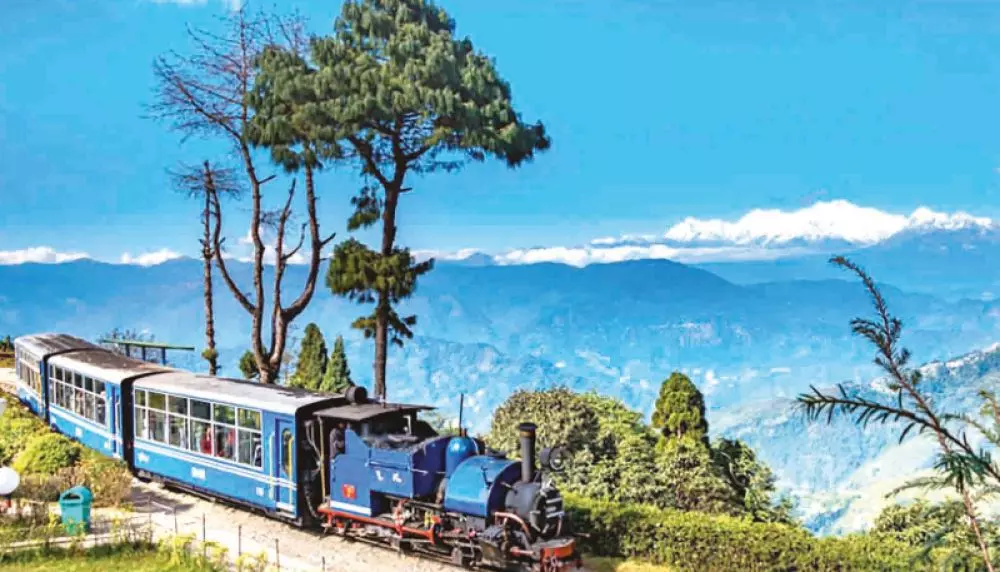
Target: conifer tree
{"points": [[338, 375], [680, 410], [397, 92], [311, 365]]}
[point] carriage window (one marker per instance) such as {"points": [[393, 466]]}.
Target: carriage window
{"points": [[158, 426], [249, 419], [88, 405], [224, 414], [157, 401], [77, 380], [225, 442], [88, 384], [286, 451], [178, 431], [201, 410], [201, 437], [140, 398], [178, 405], [101, 413], [250, 449]]}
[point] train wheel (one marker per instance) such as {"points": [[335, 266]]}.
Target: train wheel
{"points": [[458, 558]]}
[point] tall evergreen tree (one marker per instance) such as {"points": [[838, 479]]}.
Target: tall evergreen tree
{"points": [[680, 410], [311, 366], [338, 375], [396, 91]]}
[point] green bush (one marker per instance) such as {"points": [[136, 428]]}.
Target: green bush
{"points": [[47, 454], [108, 479], [15, 433], [690, 541]]}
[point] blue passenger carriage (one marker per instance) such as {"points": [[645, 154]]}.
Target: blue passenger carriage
{"points": [[32, 356], [85, 396], [239, 440]]}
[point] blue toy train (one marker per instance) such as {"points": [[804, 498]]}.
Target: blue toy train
{"points": [[343, 463]]}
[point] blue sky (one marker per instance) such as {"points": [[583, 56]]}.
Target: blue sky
{"points": [[658, 110]]}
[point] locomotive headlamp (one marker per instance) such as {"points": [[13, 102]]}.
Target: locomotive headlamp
{"points": [[554, 458]]}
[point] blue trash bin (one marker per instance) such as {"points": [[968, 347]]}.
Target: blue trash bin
{"points": [[74, 505]]}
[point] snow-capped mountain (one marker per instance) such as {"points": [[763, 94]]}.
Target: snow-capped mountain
{"points": [[761, 234]]}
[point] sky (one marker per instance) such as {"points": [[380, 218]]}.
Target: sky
{"points": [[660, 112]]}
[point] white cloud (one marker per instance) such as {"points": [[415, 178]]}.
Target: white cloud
{"points": [[230, 4], [760, 234], [39, 254], [150, 258], [824, 220]]}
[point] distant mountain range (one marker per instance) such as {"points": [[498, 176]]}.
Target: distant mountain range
{"points": [[752, 334]]}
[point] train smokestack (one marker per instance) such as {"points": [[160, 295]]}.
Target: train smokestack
{"points": [[527, 451]]}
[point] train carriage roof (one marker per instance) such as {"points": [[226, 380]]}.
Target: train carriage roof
{"points": [[238, 392], [106, 365], [43, 344]]}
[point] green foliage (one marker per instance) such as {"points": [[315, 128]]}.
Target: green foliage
{"points": [[337, 378], [248, 365], [752, 482], [15, 432], [47, 454], [690, 541], [311, 366], [365, 276], [394, 90], [941, 531], [614, 456], [6, 344], [210, 354], [680, 410]]}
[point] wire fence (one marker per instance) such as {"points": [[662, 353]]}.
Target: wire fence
{"points": [[255, 546], [34, 527]]}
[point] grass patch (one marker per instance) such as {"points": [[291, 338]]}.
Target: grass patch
{"points": [[104, 559], [607, 564]]}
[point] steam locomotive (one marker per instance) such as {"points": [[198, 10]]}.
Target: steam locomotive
{"points": [[341, 463]]}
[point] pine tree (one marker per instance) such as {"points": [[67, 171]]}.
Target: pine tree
{"points": [[338, 375], [680, 410], [311, 366], [397, 91]]}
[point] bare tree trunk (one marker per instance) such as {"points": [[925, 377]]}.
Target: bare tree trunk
{"points": [[206, 254], [205, 94]]}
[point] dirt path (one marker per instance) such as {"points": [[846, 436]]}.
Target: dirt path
{"points": [[239, 530]]}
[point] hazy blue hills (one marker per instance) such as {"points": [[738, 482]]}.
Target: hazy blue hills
{"points": [[951, 263], [618, 328], [487, 330]]}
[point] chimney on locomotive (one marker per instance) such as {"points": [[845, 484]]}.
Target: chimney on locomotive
{"points": [[527, 451]]}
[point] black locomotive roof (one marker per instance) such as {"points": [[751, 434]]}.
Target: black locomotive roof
{"points": [[365, 411]]}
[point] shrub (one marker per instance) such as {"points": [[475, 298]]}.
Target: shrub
{"points": [[108, 479], [15, 433], [690, 541], [47, 454]]}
